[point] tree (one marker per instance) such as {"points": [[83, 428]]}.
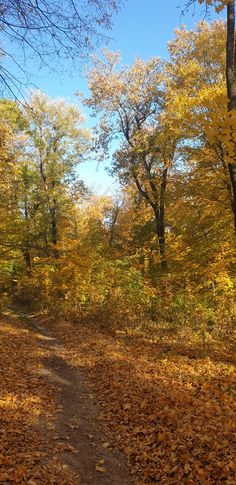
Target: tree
{"points": [[197, 76], [49, 32], [230, 70], [13, 125], [231, 92], [56, 145], [131, 102], [40, 150]]}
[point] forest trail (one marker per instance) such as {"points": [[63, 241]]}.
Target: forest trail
{"points": [[78, 423], [73, 393], [81, 448]]}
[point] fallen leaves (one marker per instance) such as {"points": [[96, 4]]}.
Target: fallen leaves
{"points": [[173, 415], [106, 445], [99, 466], [27, 445]]}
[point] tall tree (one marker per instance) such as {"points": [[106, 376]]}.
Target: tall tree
{"points": [[131, 102], [13, 126], [230, 69], [231, 92], [197, 76], [56, 145]]}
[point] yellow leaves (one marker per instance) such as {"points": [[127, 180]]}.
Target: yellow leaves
{"points": [[106, 445], [196, 84], [125, 94], [99, 466], [218, 4], [224, 281], [222, 130]]}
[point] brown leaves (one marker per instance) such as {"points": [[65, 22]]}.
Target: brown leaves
{"points": [[173, 416], [26, 406]]}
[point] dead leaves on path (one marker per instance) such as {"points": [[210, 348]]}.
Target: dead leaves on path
{"points": [[173, 416], [27, 445], [100, 466]]}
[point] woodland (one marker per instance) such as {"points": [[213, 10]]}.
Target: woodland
{"points": [[137, 288]]}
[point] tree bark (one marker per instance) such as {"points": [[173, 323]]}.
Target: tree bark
{"points": [[27, 259], [157, 204], [232, 174], [160, 230], [231, 90], [26, 250], [162, 241], [54, 230], [51, 206]]}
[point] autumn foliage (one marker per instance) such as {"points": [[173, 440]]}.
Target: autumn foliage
{"points": [[141, 283]]}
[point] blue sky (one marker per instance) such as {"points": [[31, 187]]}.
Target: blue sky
{"points": [[141, 28]]}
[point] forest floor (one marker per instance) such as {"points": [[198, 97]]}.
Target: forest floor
{"points": [[83, 405], [50, 431]]}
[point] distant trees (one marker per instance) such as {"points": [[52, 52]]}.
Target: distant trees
{"points": [[56, 146], [38, 184]]}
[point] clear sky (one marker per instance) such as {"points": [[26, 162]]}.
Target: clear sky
{"points": [[141, 28]]}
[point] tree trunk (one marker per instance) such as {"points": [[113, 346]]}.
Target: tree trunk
{"points": [[113, 225], [54, 231], [26, 250], [232, 174], [158, 207], [27, 259], [160, 221], [160, 230], [46, 246], [53, 227], [231, 90]]}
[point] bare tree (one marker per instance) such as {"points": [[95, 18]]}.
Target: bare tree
{"points": [[49, 32]]}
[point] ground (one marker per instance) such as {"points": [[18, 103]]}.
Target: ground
{"points": [[50, 428], [84, 404]]}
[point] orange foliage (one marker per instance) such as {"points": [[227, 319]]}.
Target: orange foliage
{"points": [[168, 408], [27, 443]]}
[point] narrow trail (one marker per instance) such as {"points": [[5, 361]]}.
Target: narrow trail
{"points": [[86, 451]]}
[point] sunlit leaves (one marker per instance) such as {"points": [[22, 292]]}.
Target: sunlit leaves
{"points": [[168, 408]]}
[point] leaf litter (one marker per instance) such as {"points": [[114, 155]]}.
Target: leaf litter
{"points": [[28, 443], [171, 411]]}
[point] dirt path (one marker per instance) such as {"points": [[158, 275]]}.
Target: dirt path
{"points": [[84, 446]]}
